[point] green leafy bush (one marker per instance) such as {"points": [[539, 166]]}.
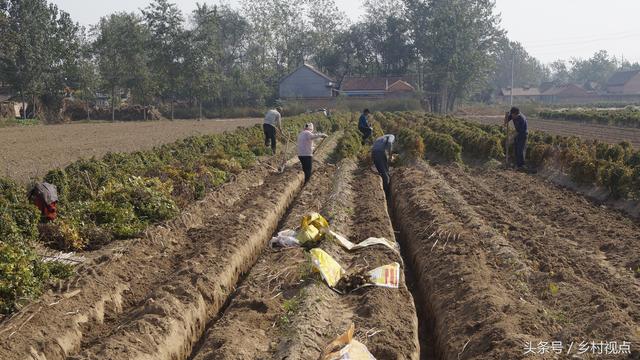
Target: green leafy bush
{"points": [[18, 275]]}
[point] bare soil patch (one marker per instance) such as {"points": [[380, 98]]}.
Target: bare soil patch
{"points": [[29, 152], [504, 259], [281, 311]]}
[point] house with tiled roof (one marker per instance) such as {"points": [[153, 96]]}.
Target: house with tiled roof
{"points": [[377, 86], [624, 83], [307, 82]]}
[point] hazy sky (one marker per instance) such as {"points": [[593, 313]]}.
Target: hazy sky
{"points": [[549, 29]]}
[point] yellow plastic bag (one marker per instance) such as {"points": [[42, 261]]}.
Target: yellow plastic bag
{"points": [[328, 268], [386, 276], [346, 347], [312, 228]]}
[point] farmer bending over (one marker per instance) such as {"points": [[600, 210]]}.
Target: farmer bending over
{"points": [[364, 126], [45, 197], [520, 142], [272, 122], [305, 149], [382, 146]]}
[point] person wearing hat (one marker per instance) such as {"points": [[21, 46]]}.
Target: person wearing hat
{"points": [[305, 149], [272, 123]]}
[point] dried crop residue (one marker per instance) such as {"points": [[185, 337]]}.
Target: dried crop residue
{"points": [[115, 280], [173, 316], [580, 253], [270, 291], [297, 313], [385, 319], [510, 274]]}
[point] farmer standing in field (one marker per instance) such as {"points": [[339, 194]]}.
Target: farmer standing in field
{"points": [[305, 149], [382, 146], [272, 122], [520, 142], [364, 126]]}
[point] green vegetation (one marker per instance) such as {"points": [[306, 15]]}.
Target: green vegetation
{"points": [[629, 116], [614, 167], [117, 197]]}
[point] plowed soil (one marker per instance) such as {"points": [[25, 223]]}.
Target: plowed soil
{"points": [[150, 297], [281, 311], [29, 152], [505, 259]]}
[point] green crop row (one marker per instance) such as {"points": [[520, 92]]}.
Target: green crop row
{"points": [[444, 138], [615, 167], [350, 145], [118, 196], [623, 117]]}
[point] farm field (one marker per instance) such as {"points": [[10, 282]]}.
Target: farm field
{"points": [[29, 152], [607, 133], [492, 259]]}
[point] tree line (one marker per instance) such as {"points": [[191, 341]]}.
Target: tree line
{"points": [[220, 57]]}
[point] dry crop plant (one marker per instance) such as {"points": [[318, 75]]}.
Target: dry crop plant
{"points": [[118, 196], [614, 167]]}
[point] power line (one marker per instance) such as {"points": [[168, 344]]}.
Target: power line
{"points": [[583, 37], [591, 41]]}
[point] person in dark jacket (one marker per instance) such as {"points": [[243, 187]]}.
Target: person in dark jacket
{"points": [[520, 142], [364, 126], [381, 147]]}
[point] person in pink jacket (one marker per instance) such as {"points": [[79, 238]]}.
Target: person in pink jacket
{"points": [[305, 149]]}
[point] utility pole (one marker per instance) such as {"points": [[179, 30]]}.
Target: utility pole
{"points": [[506, 140], [513, 64]]}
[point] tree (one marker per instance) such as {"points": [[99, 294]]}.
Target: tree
{"points": [[327, 23], [455, 39], [598, 68], [388, 34], [167, 47], [39, 46], [527, 70], [560, 72], [202, 63], [281, 38], [119, 48]]}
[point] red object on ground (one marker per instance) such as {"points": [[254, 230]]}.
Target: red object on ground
{"points": [[50, 212]]}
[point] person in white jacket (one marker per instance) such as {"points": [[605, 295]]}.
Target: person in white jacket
{"points": [[305, 149]]}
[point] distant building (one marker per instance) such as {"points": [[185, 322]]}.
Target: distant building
{"points": [[102, 100], [559, 92], [624, 83], [377, 87], [307, 82], [526, 93]]}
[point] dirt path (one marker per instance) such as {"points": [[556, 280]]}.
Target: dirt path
{"points": [[280, 311], [532, 266], [610, 134], [28, 152]]}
